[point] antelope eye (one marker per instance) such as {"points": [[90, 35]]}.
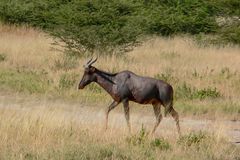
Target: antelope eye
{"points": [[87, 70]]}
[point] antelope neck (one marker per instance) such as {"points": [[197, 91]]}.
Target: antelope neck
{"points": [[105, 80]]}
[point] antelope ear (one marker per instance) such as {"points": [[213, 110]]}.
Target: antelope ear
{"points": [[92, 69]]}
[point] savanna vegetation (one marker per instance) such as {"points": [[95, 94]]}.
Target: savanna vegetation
{"points": [[33, 130], [193, 45], [116, 26], [44, 116]]}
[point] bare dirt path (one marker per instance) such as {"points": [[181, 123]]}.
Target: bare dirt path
{"points": [[90, 115]]}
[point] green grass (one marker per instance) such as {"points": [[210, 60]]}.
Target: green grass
{"points": [[185, 91], [23, 81], [67, 63], [189, 101], [209, 108], [193, 139], [67, 81]]}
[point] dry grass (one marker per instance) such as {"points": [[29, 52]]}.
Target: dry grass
{"points": [[26, 47], [180, 56], [38, 129], [50, 128]]}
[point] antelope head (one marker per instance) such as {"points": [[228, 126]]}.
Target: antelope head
{"points": [[88, 75]]}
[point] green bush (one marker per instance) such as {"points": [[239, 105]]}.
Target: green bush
{"points": [[171, 17], [116, 26], [206, 93], [231, 33]]}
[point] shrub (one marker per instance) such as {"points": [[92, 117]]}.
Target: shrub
{"points": [[206, 93], [231, 33], [173, 17], [116, 26]]}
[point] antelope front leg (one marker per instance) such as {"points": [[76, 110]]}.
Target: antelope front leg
{"points": [[113, 105], [126, 112]]}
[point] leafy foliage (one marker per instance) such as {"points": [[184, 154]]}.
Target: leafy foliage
{"points": [[116, 26]]}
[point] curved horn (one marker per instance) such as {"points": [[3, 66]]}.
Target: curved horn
{"points": [[89, 61], [89, 64]]}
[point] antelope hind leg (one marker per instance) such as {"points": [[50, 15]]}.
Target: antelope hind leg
{"points": [[158, 115]]}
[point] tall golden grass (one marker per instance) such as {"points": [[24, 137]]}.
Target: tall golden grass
{"points": [[39, 128], [180, 56], [33, 129]]}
